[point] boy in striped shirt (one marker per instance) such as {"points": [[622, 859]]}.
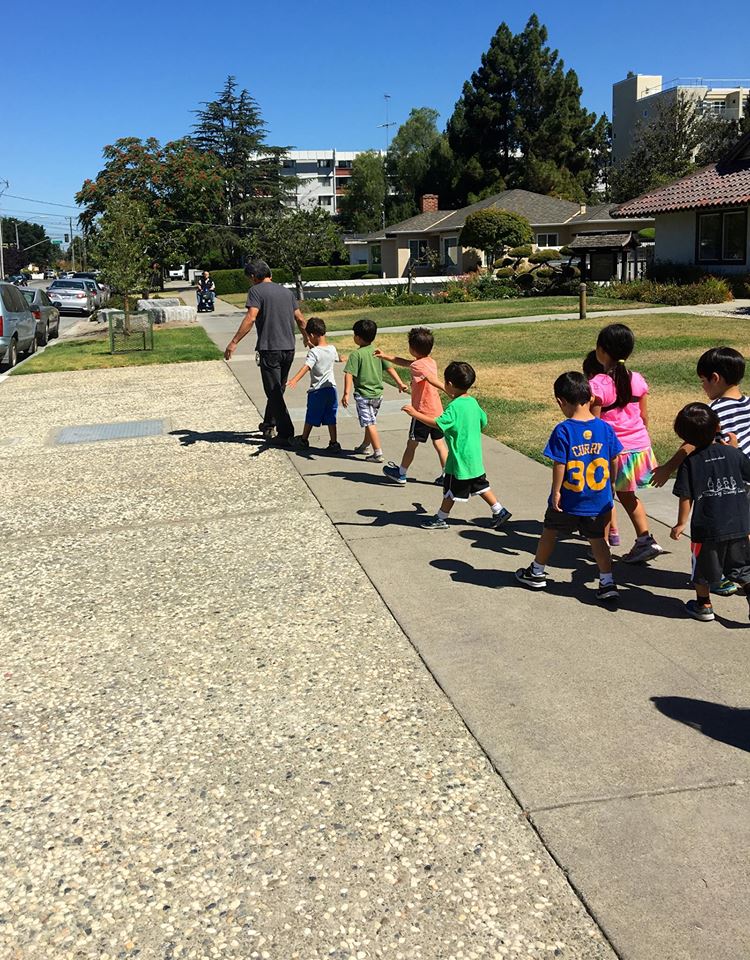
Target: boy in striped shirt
{"points": [[720, 370]]}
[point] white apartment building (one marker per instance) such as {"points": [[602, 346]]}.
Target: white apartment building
{"points": [[639, 98], [323, 176]]}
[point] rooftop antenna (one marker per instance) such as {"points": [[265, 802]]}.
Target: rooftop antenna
{"points": [[388, 123]]}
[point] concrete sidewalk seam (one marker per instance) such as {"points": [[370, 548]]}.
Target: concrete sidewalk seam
{"points": [[664, 792]]}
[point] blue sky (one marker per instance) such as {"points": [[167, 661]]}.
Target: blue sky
{"points": [[318, 70]]}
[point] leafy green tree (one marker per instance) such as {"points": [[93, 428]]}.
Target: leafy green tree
{"points": [[522, 105], [231, 129], [363, 203], [663, 150], [34, 246], [123, 248], [295, 240], [408, 159], [494, 231]]}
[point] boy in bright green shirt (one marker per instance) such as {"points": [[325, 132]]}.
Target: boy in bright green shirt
{"points": [[462, 423], [363, 374]]}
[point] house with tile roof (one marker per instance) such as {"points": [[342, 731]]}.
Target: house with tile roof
{"points": [[703, 219], [430, 241]]}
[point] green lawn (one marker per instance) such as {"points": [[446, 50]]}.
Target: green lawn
{"points": [[173, 345], [446, 312], [518, 363]]}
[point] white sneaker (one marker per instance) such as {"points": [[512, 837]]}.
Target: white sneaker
{"points": [[643, 550]]}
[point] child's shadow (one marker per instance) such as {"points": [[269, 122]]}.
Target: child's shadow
{"points": [[462, 572], [389, 518]]}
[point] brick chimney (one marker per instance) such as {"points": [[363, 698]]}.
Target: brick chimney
{"points": [[429, 203]]}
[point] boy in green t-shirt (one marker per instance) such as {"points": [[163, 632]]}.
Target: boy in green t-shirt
{"points": [[364, 374], [462, 423]]}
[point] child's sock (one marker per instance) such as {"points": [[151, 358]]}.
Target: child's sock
{"points": [[378, 452], [537, 568], [606, 578], [402, 471], [496, 508], [442, 515], [643, 537]]}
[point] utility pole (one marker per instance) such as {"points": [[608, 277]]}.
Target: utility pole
{"points": [[387, 126], [72, 244], [3, 187]]}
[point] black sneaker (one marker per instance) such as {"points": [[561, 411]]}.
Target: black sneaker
{"points": [[301, 442], [607, 591], [700, 611], [434, 523], [334, 447], [534, 581], [498, 519]]}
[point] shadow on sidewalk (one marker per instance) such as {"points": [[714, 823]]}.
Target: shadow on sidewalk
{"points": [[189, 437], [360, 476], [730, 725], [390, 518]]}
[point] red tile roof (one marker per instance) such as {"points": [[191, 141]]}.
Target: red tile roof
{"points": [[710, 187], [723, 184]]}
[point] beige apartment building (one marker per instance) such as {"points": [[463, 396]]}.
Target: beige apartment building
{"points": [[638, 99]]}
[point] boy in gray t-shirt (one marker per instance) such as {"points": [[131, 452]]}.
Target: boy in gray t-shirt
{"points": [[322, 399]]}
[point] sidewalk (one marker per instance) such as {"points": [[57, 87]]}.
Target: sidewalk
{"points": [[218, 741], [647, 815]]}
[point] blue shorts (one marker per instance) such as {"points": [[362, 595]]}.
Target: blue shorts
{"points": [[322, 407]]}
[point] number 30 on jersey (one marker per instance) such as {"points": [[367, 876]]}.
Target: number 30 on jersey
{"points": [[578, 475]]}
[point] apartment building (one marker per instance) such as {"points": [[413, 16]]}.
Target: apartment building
{"points": [[323, 177], [639, 98]]}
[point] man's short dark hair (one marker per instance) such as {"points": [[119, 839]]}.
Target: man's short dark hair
{"points": [[726, 361], [365, 329], [257, 270], [421, 341], [698, 424], [572, 387], [316, 326], [460, 374]]}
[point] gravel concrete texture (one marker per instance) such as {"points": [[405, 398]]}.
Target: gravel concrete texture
{"points": [[218, 741], [560, 691]]}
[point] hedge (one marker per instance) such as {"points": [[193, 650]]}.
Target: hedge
{"points": [[235, 281]]}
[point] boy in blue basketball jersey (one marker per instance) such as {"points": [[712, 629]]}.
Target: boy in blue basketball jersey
{"points": [[582, 449]]}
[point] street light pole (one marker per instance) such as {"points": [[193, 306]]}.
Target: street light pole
{"points": [[3, 187], [72, 244]]}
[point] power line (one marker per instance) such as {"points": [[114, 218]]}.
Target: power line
{"points": [[48, 203]]}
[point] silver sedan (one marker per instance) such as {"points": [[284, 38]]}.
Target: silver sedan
{"points": [[71, 296], [46, 314]]}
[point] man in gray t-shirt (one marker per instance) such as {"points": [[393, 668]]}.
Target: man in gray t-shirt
{"points": [[273, 311]]}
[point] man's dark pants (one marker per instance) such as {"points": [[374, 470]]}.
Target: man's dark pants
{"points": [[274, 370]]}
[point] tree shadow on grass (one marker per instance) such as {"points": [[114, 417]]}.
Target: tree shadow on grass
{"points": [[730, 725]]}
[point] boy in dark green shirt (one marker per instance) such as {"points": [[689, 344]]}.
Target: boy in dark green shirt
{"points": [[364, 374], [462, 423]]}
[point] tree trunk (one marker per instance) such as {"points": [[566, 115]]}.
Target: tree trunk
{"points": [[300, 288], [126, 321]]}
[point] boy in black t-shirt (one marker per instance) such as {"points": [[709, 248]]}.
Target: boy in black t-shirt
{"points": [[712, 481]]}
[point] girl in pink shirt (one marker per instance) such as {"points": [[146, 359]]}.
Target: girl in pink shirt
{"points": [[620, 397]]}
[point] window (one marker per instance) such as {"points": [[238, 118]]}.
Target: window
{"points": [[376, 254], [722, 237], [344, 164], [288, 164], [547, 240], [324, 164], [324, 201], [418, 249], [450, 251]]}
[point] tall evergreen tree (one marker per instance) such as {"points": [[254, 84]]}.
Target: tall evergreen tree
{"points": [[232, 129], [522, 106]]}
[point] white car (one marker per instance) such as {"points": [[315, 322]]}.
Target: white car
{"points": [[72, 296]]}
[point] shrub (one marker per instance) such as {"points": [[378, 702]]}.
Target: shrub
{"points": [[569, 272], [567, 252], [488, 288], [230, 281], [545, 273], [521, 252], [648, 234], [504, 272], [524, 281], [706, 290], [454, 293], [369, 276], [544, 256]]}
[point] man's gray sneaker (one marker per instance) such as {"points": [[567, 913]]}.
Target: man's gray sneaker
{"points": [[393, 473], [534, 581], [434, 523], [643, 550]]}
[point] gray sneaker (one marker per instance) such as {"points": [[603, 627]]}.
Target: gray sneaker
{"points": [[362, 448], [434, 523], [374, 458], [643, 550]]}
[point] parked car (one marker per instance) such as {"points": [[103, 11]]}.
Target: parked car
{"points": [[47, 315], [176, 273], [102, 290], [50, 275], [17, 325], [71, 296], [19, 279]]}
